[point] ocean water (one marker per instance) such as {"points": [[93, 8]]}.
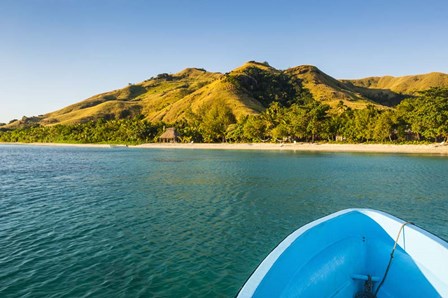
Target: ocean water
{"points": [[100, 222]]}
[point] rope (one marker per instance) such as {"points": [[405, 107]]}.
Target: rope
{"points": [[391, 257]]}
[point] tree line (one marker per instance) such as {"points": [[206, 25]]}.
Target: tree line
{"points": [[423, 118], [120, 131]]}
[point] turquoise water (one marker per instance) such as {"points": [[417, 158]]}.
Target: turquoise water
{"points": [[84, 222]]}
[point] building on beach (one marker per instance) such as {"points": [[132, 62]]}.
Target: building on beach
{"points": [[169, 136]]}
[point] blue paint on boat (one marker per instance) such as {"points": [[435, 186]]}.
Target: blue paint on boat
{"points": [[335, 255]]}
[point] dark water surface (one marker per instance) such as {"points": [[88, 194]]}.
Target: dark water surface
{"points": [[83, 222]]}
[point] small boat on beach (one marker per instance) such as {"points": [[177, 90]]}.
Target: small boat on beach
{"points": [[354, 253]]}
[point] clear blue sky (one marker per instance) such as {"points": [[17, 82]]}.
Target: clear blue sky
{"points": [[56, 52]]}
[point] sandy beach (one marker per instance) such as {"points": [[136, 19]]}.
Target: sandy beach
{"points": [[437, 149], [441, 149]]}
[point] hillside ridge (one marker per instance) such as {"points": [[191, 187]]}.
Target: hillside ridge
{"points": [[245, 90]]}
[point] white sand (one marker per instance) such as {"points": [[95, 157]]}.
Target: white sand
{"points": [[379, 148], [438, 149]]}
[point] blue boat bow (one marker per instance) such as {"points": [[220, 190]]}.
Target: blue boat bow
{"points": [[351, 254]]}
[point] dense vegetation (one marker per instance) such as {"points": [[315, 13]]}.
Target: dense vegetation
{"points": [[420, 118], [268, 86], [122, 131]]}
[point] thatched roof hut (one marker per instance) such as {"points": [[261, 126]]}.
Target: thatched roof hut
{"points": [[169, 136]]}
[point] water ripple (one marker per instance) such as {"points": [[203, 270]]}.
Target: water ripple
{"points": [[140, 223]]}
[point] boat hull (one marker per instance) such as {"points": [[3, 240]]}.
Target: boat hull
{"points": [[333, 257]]}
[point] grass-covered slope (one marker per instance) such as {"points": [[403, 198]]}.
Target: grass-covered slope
{"points": [[388, 90], [405, 85], [327, 89], [220, 91], [246, 90], [223, 90], [147, 98], [166, 90]]}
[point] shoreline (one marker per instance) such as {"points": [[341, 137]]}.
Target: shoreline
{"points": [[434, 149], [61, 145], [437, 149]]}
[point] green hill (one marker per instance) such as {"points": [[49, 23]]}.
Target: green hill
{"points": [[406, 84], [246, 90], [327, 89], [149, 98], [391, 90]]}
